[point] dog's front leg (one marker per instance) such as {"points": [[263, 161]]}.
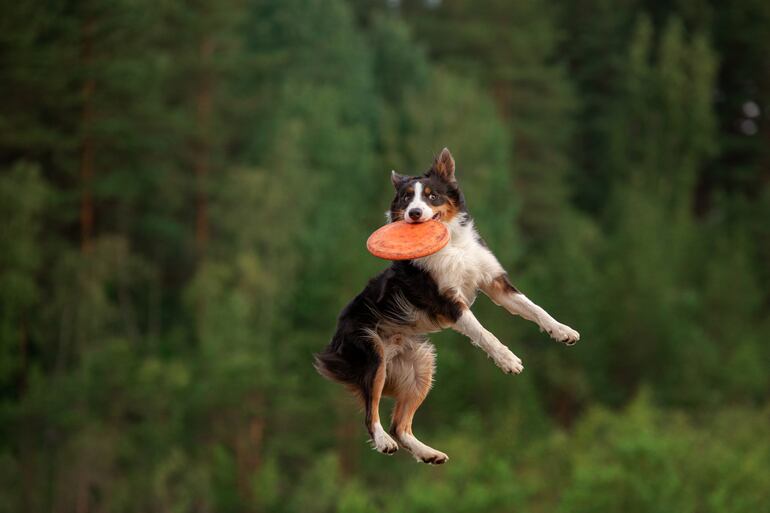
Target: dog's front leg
{"points": [[504, 294], [468, 325]]}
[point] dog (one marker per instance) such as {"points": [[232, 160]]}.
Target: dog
{"points": [[380, 346]]}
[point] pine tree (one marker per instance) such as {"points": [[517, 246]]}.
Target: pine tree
{"points": [[511, 49], [661, 133], [25, 196]]}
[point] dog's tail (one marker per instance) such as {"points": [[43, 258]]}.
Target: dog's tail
{"points": [[331, 365], [350, 361]]}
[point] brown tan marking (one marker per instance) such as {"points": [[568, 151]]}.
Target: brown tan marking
{"points": [[446, 211], [377, 385], [502, 285]]}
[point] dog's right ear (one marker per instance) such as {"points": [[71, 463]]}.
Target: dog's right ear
{"points": [[397, 180], [444, 166]]}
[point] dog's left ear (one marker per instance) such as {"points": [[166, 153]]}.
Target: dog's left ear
{"points": [[444, 166], [397, 179]]}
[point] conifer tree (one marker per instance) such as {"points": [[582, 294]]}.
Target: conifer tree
{"points": [[511, 49]]}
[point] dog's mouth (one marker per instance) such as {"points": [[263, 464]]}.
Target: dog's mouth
{"points": [[436, 217]]}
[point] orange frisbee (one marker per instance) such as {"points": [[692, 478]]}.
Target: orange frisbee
{"points": [[404, 241]]}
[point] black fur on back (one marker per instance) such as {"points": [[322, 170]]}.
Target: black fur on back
{"points": [[351, 357]]}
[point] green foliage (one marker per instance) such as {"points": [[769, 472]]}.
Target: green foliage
{"points": [[662, 128], [235, 156], [532, 94], [24, 195], [650, 461]]}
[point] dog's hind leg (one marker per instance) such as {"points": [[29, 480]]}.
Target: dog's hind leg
{"points": [[356, 359], [371, 393], [410, 376]]}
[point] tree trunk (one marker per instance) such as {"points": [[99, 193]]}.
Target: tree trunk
{"points": [[202, 146], [87, 144], [248, 449], [24, 354]]}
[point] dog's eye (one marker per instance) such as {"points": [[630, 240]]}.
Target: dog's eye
{"points": [[432, 197]]}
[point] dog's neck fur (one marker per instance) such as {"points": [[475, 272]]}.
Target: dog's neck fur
{"points": [[464, 264]]}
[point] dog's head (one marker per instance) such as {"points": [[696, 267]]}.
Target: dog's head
{"points": [[434, 195]]}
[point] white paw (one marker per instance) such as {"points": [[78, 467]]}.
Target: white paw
{"points": [[431, 457], [382, 441], [563, 333], [508, 362], [422, 452]]}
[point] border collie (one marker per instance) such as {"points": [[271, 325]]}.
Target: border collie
{"points": [[380, 346]]}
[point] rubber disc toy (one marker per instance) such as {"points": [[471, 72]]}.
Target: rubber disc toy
{"points": [[405, 241]]}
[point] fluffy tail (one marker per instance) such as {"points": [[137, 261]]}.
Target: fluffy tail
{"points": [[352, 362], [331, 365]]}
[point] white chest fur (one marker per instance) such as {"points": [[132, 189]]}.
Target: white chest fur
{"points": [[463, 265]]}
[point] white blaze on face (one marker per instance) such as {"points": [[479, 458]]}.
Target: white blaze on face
{"points": [[419, 204]]}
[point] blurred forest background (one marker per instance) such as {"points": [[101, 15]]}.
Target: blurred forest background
{"points": [[186, 189]]}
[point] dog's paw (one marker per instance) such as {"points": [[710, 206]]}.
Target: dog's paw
{"points": [[420, 451], [382, 442], [563, 333], [509, 362], [432, 457]]}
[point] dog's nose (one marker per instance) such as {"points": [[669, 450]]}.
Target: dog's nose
{"points": [[415, 213]]}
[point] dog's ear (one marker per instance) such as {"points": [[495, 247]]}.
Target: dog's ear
{"points": [[444, 166], [397, 180]]}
